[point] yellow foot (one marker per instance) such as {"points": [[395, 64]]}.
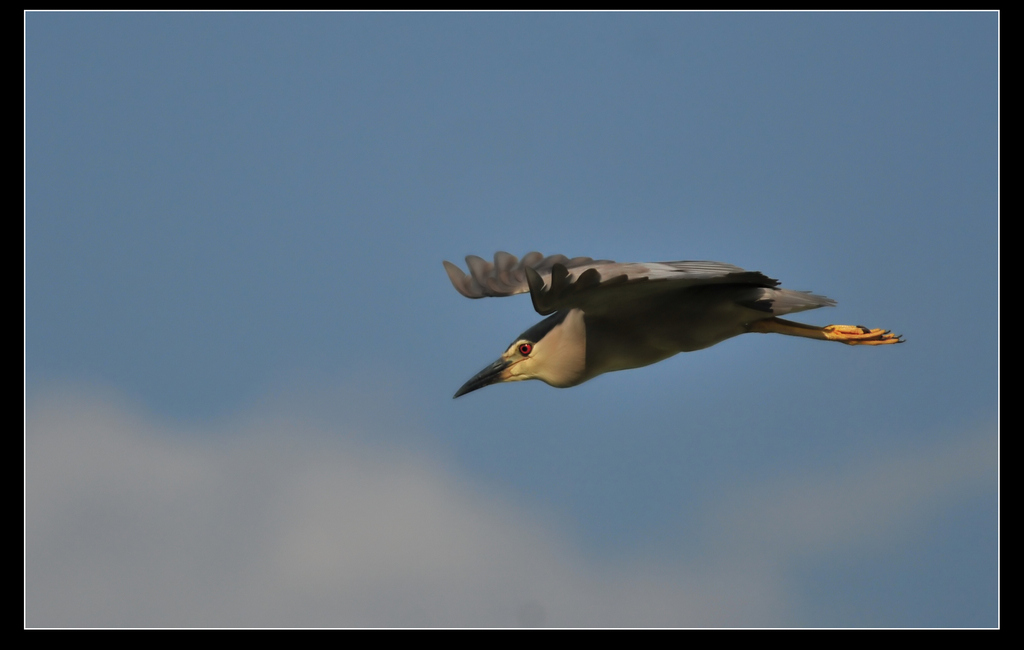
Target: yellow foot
{"points": [[860, 335]]}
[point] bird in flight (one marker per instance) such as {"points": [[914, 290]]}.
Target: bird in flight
{"points": [[604, 316]]}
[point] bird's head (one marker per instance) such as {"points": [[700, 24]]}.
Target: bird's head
{"points": [[554, 351]]}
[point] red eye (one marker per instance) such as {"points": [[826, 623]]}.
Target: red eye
{"points": [[525, 349]]}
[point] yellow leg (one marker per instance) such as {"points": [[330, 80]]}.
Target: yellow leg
{"points": [[848, 334]]}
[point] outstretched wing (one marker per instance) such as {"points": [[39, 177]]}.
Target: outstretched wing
{"points": [[507, 276], [557, 282]]}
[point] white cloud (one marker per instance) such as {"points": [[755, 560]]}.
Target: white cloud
{"points": [[276, 521]]}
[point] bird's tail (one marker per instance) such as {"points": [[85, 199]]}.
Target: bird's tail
{"points": [[787, 301]]}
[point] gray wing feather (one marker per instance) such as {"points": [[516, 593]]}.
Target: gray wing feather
{"points": [[507, 275], [557, 282]]}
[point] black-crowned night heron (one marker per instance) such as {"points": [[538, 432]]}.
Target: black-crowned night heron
{"points": [[608, 316]]}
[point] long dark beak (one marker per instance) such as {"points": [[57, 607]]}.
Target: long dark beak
{"points": [[489, 375]]}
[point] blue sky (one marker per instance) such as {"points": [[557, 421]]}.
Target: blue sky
{"points": [[241, 344]]}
